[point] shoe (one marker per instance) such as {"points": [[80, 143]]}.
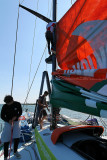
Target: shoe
{"points": [[49, 60], [17, 155]]}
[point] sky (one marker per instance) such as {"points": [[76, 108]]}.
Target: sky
{"points": [[31, 42]]}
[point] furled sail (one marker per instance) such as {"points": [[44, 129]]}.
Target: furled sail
{"points": [[82, 56]]}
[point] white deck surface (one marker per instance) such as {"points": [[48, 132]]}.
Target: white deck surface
{"points": [[28, 151], [59, 150]]}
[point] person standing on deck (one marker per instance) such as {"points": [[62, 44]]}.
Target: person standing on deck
{"points": [[50, 28], [10, 113], [41, 113]]}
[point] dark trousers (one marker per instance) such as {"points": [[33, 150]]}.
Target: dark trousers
{"points": [[49, 38], [6, 146], [37, 114]]}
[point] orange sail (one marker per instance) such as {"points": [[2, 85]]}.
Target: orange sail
{"points": [[82, 43], [82, 36]]}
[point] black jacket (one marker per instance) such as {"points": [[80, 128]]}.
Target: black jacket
{"points": [[10, 111]]}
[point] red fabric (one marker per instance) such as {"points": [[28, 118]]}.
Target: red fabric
{"points": [[71, 49], [22, 118], [85, 82], [82, 81]]}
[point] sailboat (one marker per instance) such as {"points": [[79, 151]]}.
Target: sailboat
{"points": [[80, 84]]}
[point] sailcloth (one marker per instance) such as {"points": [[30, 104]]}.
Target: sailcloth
{"points": [[82, 57]]}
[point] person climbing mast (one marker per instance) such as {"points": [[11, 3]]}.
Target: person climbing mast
{"points": [[50, 29]]}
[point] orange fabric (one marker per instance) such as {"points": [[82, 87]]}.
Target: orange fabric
{"points": [[82, 81], [22, 118], [85, 82], [70, 48]]}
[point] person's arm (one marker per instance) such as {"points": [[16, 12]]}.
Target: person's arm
{"points": [[19, 110], [12, 120], [3, 114], [47, 106], [40, 104], [48, 109]]}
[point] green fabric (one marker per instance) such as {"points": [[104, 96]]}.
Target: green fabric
{"points": [[44, 151], [65, 95], [98, 85]]}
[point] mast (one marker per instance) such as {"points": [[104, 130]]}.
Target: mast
{"points": [[54, 10], [54, 65], [54, 20], [53, 110]]}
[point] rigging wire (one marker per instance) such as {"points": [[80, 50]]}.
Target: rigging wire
{"points": [[15, 52], [46, 63], [22, 2], [87, 118], [47, 16], [104, 124], [35, 75], [32, 49]]}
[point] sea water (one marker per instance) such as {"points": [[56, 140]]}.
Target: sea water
{"points": [[69, 113]]}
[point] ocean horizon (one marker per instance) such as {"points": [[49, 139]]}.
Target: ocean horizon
{"points": [[67, 112]]}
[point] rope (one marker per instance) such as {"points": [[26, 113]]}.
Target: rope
{"points": [[29, 87], [86, 118], [71, 2], [1, 154], [47, 16], [15, 51], [32, 48], [28, 150], [46, 63], [35, 75], [34, 149], [22, 1], [29, 153], [104, 124]]}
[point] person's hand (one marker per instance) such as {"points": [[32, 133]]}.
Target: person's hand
{"points": [[45, 106], [10, 121], [14, 118], [48, 109]]}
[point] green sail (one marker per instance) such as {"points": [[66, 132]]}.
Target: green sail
{"points": [[66, 95]]}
